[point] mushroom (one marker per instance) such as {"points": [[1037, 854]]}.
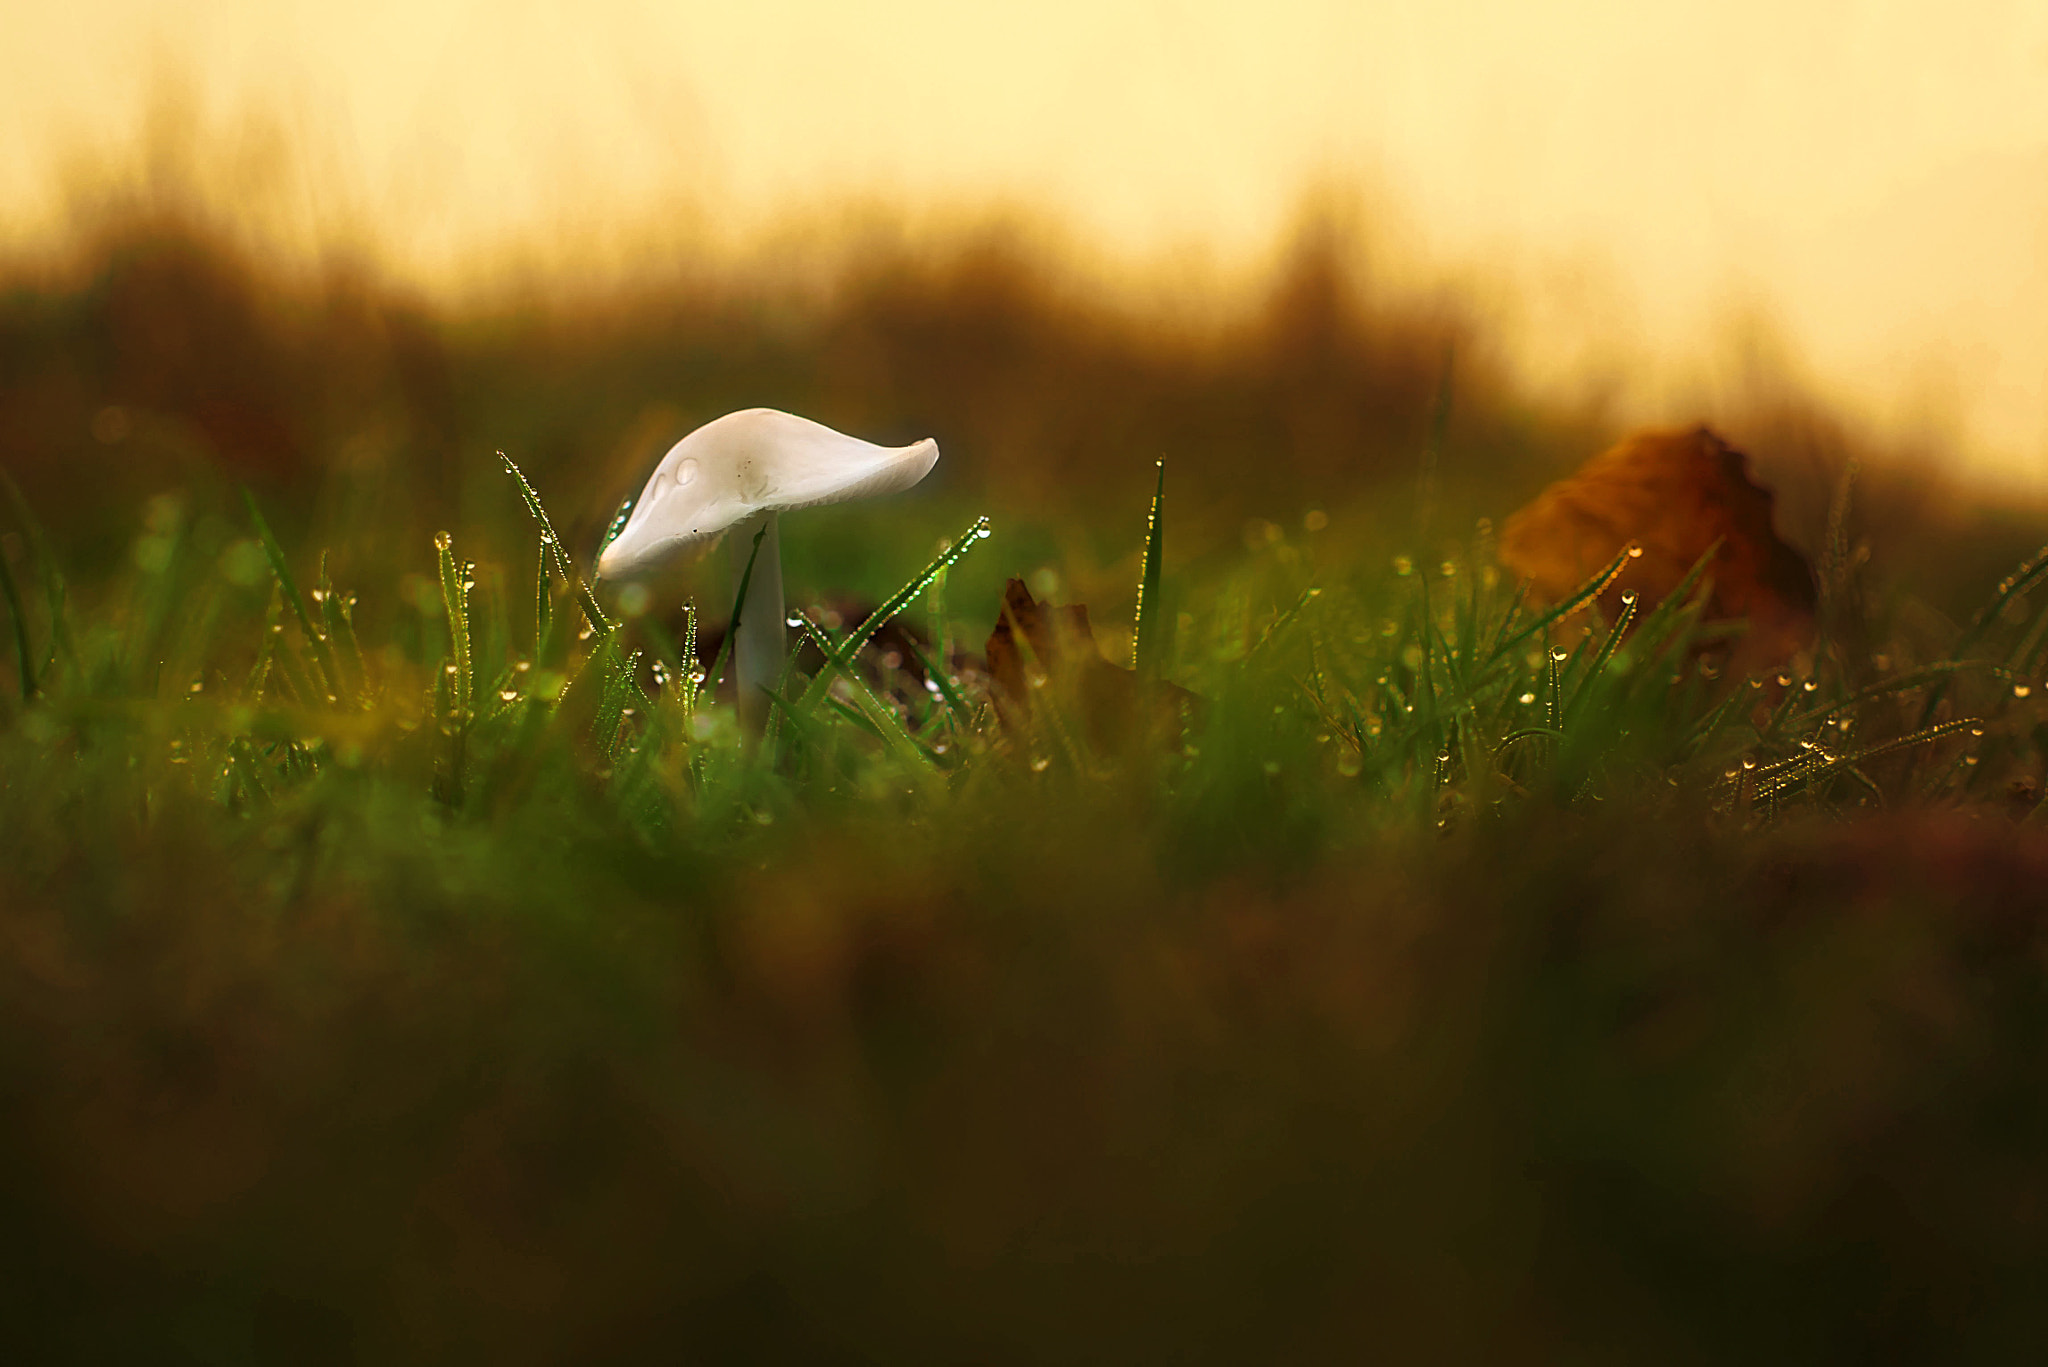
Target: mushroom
{"points": [[741, 471]]}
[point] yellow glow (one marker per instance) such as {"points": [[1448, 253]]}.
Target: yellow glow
{"points": [[1626, 179]]}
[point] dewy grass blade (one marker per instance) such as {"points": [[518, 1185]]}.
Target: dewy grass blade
{"points": [[947, 690], [1934, 674], [316, 641], [2011, 587], [551, 545], [1281, 622], [455, 599], [1920, 737], [1152, 630], [843, 652], [338, 621], [879, 716], [1664, 620], [1585, 594], [1582, 695], [543, 609]]}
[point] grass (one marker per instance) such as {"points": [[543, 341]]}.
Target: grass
{"points": [[1447, 978]]}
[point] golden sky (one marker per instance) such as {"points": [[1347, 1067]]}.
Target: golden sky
{"points": [[1626, 182]]}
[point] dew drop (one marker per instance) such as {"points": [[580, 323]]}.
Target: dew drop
{"points": [[1559, 654], [1784, 681], [1040, 765], [1970, 760], [1403, 566], [1749, 761], [793, 621], [931, 686], [2020, 690], [1628, 600], [1526, 699], [508, 695], [1635, 552], [1976, 730], [1809, 686]]}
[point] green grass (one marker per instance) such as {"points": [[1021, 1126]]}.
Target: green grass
{"points": [[1448, 979]]}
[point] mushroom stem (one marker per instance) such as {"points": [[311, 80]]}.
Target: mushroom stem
{"points": [[760, 640]]}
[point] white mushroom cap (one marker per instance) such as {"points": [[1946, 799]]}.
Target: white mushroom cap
{"points": [[755, 461]]}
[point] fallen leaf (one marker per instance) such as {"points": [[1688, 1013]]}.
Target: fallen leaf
{"points": [[1674, 493], [1037, 646]]}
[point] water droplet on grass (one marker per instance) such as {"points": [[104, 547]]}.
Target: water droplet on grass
{"points": [[1526, 699], [2020, 690], [1040, 764]]}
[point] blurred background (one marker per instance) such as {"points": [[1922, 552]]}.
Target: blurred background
{"points": [[345, 252]]}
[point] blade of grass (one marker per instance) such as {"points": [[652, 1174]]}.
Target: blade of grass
{"points": [[843, 652], [455, 600], [1152, 630], [887, 727], [2013, 585], [1582, 695], [1583, 595], [24, 659], [52, 577], [316, 641], [551, 546]]}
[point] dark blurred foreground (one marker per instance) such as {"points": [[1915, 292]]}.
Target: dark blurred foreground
{"points": [[1527, 1097]]}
